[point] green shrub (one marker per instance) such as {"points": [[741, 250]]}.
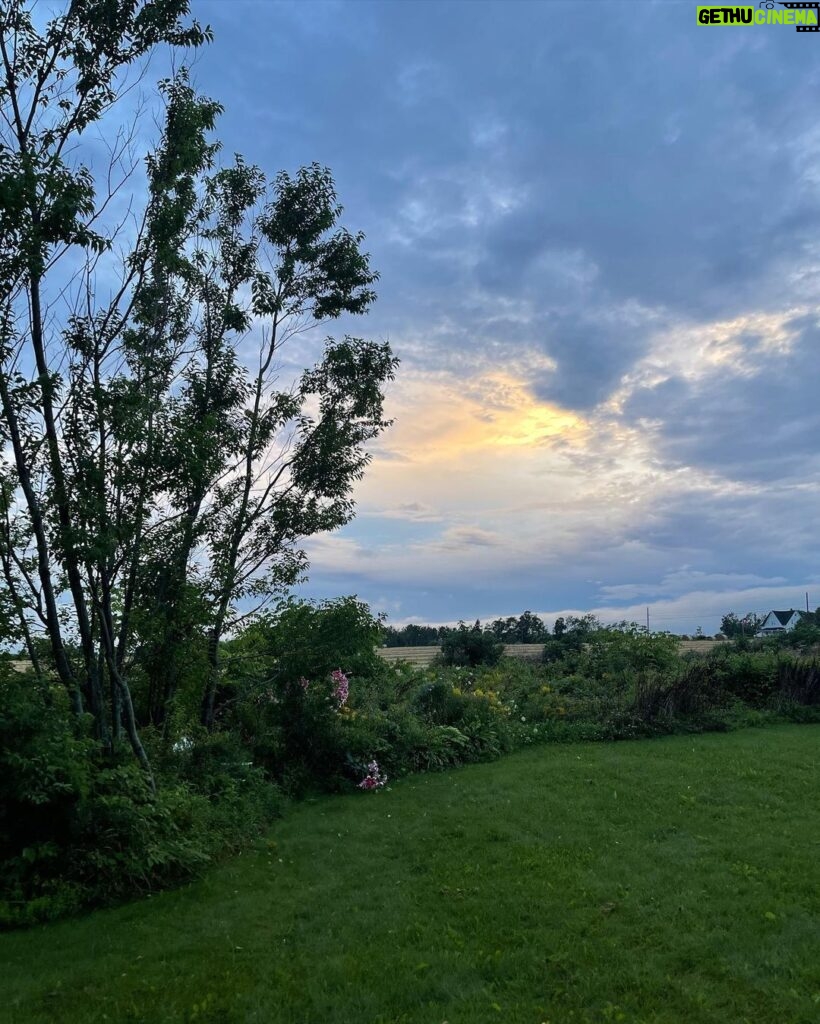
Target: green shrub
{"points": [[303, 639], [129, 840], [612, 653], [242, 801], [399, 741], [661, 700], [77, 828], [437, 704], [45, 773], [798, 681], [748, 676], [487, 730], [294, 732]]}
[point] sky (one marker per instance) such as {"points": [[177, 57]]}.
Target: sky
{"points": [[598, 232]]}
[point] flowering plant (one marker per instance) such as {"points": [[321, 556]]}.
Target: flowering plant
{"points": [[341, 686], [374, 779]]}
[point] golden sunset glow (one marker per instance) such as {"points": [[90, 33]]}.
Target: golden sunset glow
{"points": [[444, 420]]}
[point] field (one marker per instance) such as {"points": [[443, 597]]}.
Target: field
{"points": [[529, 652], [425, 655], [662, 881]]}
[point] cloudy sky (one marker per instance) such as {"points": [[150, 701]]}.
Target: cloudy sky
{"points": [[598, 231]]}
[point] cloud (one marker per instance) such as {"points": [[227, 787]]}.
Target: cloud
{"points": [[685, 581], [756, 421], [459, 537], [597, 238], [414, 511]]}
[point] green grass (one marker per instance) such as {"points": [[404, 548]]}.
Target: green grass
{"points": [[674, 880]]}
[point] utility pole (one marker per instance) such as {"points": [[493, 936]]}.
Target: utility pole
{"points": [[807, 602], [647, 620]]}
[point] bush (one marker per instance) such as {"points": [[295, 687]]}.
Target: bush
{"points": [[242, 801], [687, 694], [748, 676], [302, 639], [283, 705], [613, 652], [128, 840], [798, 681], [437, 704], [78, 829], [294, 732], [45, 774]]}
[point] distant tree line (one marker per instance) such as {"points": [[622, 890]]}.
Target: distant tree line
{"points": [[526, 628], [476, 645], [413, 635]]}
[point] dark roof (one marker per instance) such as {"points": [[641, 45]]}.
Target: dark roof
{"points": [[783, 617]]}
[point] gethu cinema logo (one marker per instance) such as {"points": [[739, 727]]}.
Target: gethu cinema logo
{"points": [[805, 17]]}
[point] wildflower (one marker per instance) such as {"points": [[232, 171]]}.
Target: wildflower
{"points": [[374, 779], [304, 683], [341, 686]]}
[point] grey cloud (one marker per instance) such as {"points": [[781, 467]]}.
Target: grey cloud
{"points": [[458, 537], [591, 358], [415, 511], [583, 108], [761, 428]]}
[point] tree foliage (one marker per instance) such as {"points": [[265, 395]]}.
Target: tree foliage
{"points": [[413, 635], [735, 627], [528, 628], [162, 469], [470, 646]]}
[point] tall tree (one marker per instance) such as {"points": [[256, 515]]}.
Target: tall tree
{"points": [[162, 473], [732, 626], [530, 629]]}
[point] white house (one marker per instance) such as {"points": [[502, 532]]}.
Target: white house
{"points": [[780, 622]]}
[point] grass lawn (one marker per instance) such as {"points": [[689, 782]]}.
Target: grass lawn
{"points": [[674, 880]]}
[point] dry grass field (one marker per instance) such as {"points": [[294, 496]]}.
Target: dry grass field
{"points": [[425, 655], [530, 652]]}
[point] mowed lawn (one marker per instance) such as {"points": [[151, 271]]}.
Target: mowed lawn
{"points": [[674, 880]]}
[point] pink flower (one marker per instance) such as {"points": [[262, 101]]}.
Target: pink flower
{"points": [[304, 683], [374, 779], [341, 686]]}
